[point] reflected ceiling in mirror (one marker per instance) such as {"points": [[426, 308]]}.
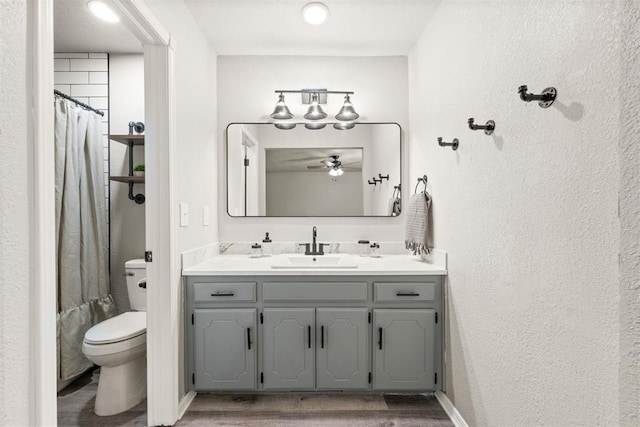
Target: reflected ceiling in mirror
{"points": [[299, 172]]}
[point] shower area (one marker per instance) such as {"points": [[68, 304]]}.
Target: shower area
{"points": [[82, 239]]}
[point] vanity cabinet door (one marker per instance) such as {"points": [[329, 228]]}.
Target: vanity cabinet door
{"points": [[342, 342], [225, 350], [289, 348], [404, 349]]}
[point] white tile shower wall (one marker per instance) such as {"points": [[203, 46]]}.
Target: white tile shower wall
{"points": [[73, 76]]}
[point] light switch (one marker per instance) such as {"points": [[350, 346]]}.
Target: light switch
{"points": [[184, 214], [205, 216]]}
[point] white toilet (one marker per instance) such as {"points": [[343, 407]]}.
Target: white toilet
{"points": [[119, 346]]}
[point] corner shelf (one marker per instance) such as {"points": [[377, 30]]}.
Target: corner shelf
{"points": [[130, 141]]}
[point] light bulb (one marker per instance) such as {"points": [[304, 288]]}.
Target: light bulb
{"points": [[315, 13], [102, 11]]}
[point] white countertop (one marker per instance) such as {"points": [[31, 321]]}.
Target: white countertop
{"points": [[390, 265]]}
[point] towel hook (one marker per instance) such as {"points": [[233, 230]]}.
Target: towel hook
{"points": [[546, 98], [424, 179], [454, 144], [488, 128]]}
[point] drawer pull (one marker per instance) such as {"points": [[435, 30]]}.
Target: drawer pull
{"points": [[223, 294], [321, 336], [248, 338], [407, 294], [380, 338], [309, 338]]}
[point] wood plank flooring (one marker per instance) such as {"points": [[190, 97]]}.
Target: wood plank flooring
{"points": [[75, 408]]}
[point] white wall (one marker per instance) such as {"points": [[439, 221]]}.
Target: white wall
{"points": [[126, 90], [314, 193], [15, 190], [529, 216], [196, 154], [246, 87]]}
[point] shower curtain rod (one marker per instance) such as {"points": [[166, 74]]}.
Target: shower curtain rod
{"points": [[82, 104]]}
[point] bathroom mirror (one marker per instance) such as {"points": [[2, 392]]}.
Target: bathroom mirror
{"points": [[300, 172]]}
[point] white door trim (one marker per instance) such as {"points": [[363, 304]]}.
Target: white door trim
{"points": [[164, 273], [42, 348]]}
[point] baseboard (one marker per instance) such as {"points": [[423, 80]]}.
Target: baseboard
{"points": [[185, 403], [451, 410]]}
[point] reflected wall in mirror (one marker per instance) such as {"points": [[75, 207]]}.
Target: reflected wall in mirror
{"points": [[304, 172]]}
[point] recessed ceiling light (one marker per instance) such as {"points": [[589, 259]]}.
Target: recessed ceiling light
{"points": [[102, 11], [315, 13]]}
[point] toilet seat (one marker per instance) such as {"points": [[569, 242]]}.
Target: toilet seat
{"points": [[119, 328]]}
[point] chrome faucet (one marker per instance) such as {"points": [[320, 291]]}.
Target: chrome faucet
{"points": [[314, 248]]}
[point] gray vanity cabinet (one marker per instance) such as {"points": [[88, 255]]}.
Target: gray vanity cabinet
{"points": [[400, 360], [224, 349], [342, 348], [270, 333], [289, 348]]}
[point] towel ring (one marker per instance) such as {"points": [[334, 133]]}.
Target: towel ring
{"points": [[423, 180]]}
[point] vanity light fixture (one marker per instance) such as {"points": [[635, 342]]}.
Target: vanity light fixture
{"points": [[102, 11], [315, 111], [281, 111], [315, 13], [285, 126], [316, 97], [315, 126], [344, 126], [347, 112]]}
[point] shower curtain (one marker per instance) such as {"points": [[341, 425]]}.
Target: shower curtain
{"points": [[81, 235]]}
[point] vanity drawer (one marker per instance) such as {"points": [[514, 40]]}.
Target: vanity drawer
{"points": [[315, 291], [404, 292], [224, 292]]}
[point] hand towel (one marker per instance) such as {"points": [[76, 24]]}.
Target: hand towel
{"points": [[417, 226]]}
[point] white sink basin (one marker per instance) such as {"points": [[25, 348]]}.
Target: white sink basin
{"points": [[313, 262]]}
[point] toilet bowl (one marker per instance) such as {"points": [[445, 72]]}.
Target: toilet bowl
{"points": [[119, 346]]}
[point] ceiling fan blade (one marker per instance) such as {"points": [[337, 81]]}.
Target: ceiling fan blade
{"points": [[318, 167]]}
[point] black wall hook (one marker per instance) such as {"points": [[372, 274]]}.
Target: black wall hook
{"points": [[383, 177], [488, 128], [453, 145], [374, 182], [546, 98]]}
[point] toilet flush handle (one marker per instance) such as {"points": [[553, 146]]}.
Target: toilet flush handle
{"points": [[142, 284]]}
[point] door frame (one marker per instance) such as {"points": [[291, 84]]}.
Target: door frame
{"points": [[162, 308]]}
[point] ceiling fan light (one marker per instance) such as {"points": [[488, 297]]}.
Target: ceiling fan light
{"points": [[347, 112], [315, 111], [333, 172], [339, 171], [281, 111]]}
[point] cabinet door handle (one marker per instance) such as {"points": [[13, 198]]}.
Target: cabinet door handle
{"points": [[223, 294], [309, 338], [248, 338], [380, 338], [407, 294], [321, 336]]}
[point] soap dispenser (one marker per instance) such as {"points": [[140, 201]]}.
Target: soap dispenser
{"points": [[266, 244]]}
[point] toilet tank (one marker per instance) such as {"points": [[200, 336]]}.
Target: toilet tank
{"points": [[136, 272]]}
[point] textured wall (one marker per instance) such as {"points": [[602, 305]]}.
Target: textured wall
{"points": [[529, 215], [14, 216], [630, 217]]}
